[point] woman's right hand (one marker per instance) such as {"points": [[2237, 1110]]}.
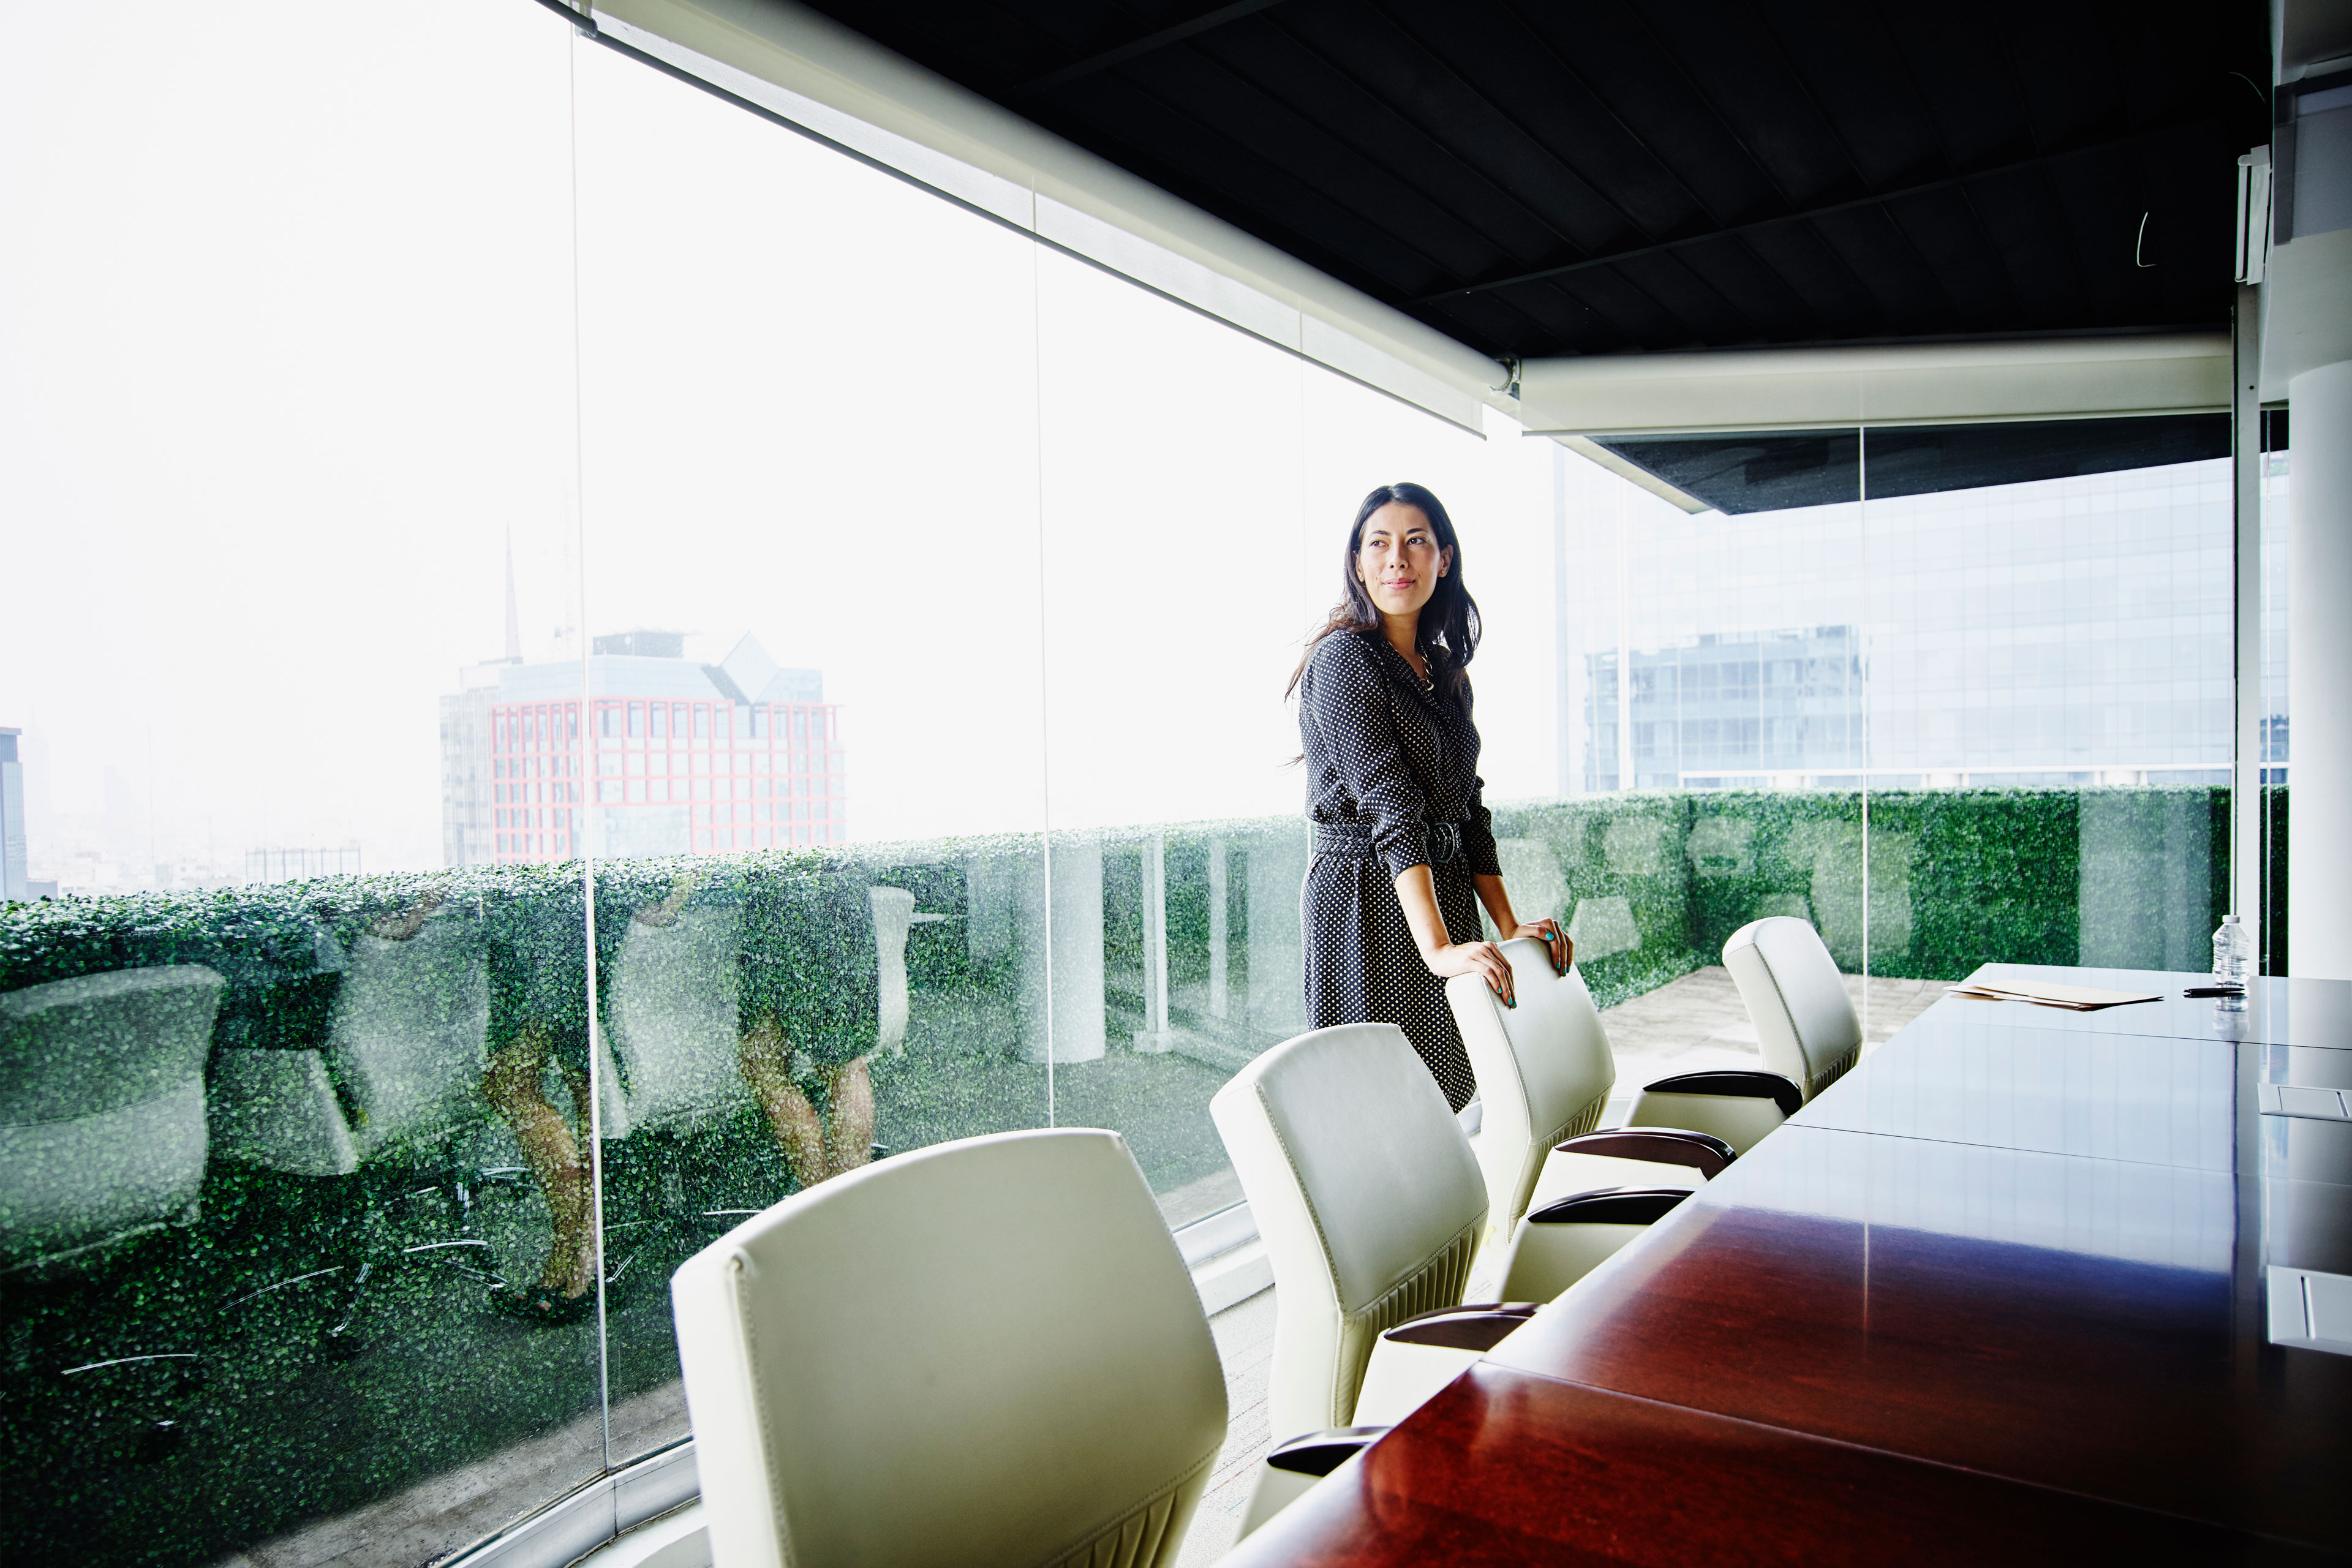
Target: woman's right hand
{"points": [[1482, 958]]}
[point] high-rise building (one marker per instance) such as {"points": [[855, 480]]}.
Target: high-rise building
{"points": [[2058, 632], [666, 756], [12, 817]]}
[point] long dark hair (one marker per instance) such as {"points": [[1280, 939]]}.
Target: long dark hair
{"points": [[1447, 636]]}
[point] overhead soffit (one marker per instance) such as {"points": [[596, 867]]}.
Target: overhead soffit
{"points": [[1626, 176], [1721, 215], [2148, 373]]}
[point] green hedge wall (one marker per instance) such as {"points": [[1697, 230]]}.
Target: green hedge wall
{"points": [[1654, 881]]}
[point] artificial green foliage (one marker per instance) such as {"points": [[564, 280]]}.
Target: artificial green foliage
{"points": [[1615, 869]]}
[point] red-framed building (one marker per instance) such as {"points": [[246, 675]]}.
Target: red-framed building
{"points": [[668, 757]]}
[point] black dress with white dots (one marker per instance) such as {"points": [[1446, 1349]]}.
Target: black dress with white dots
{"points": [[1392, 782]]}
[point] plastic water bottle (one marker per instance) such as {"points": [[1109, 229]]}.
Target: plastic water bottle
{"points": [[2233, 952]]}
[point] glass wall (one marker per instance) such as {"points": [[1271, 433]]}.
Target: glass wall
{"points": [[589, 663], [810, 523], [1713, 666], [2050, 692], [286, 382]]}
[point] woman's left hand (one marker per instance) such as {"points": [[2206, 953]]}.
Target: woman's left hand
{"points": [[1562, 945]]}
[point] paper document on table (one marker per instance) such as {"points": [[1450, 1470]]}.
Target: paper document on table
{"points": [[2081, 998]]}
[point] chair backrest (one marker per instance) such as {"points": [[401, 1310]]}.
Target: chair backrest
{"points": [[1364, 1188], [408, 1036], [1544, 1071], [672, 1020], [894, 910], [983, 1352], [1796, 998], [101, 1108]]}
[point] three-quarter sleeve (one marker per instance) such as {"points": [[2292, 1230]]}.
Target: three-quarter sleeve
{"points": [[1344, 698]]}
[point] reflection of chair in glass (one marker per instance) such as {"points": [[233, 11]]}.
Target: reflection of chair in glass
{"points": [[670, 1043], [102, 1142], [1545, 1072], [983, 1353], [406, 1047], [685, 1057], [670, 1022]]}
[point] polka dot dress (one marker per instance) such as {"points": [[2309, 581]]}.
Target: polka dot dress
{"points": [[1392, 783]]}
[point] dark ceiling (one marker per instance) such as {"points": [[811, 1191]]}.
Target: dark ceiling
{"points": [[1625, 176]]}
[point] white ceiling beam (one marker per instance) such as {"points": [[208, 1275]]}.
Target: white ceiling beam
{"points": [[1831, 388]]}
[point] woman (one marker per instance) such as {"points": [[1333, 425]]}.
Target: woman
{"points": [[1404, 847]]}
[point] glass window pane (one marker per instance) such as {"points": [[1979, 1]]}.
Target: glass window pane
{"points": [[1710, 684], [347, 426], [781, 1002], [2051, 700]]}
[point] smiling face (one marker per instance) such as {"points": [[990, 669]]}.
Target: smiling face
{"points": [[1399, 560]]}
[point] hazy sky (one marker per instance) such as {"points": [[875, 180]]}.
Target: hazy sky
{"points": [[287, 350]]}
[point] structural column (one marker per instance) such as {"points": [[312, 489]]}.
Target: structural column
{"points": [[2319, 665], [1061, 934], [1155, 1035], [1219, 935]]}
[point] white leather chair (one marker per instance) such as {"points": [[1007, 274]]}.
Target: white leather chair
{"points": [[1805, 1022], [985, 1353], [1805, 1028], [1370, 1205], [1736, 1106], [1369, 1201], [409, 1036], [1562, 1241], [102, 1135], [102, 1145], [1545, 1072], [670, 1025]]}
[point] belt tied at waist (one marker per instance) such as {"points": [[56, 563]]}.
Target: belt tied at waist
{"points": [[1356, 839]]}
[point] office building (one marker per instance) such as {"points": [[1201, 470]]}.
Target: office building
{"points": [[673, 757], [2060, 631], [13, 882]]}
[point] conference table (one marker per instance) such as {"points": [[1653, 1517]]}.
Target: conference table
{"points": [[2025, 1282]]}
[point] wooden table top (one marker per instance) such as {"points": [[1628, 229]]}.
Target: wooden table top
{"points": [[1999, 1290]]}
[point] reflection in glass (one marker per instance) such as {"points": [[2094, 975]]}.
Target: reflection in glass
{"points": [[267, 491], [798, 607]]}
